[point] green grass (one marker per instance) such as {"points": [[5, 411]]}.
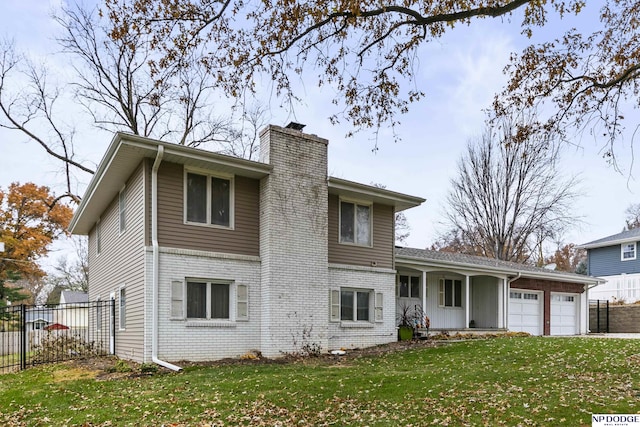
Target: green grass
{"points": [[503, 381]]}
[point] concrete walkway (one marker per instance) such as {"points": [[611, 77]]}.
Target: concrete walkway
{"points": [[613, 335]]}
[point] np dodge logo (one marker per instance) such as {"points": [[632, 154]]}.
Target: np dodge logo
{"points": [[616, 420]]}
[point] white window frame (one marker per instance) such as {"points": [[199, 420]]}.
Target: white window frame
{"points": [[210, 175], [442, 293], [376, 306], [355, 204], [623, 248], [122, 210], [122, 307], [238, 302], [409, 276]]}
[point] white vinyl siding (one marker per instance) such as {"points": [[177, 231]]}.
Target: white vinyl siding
{"points": [[122, 210], [122, 304]]}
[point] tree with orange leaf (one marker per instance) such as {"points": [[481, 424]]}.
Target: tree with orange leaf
{"points": [[31, 218]]}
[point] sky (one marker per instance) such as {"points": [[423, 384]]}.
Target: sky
{"points": [[459, 74]]}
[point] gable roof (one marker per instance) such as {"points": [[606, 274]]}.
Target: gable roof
{"points": [[489, 265], [383, 196], [123, 156], [74, 297], [627, 236]]}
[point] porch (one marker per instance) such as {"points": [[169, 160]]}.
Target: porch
{"points": [[453, 301]]}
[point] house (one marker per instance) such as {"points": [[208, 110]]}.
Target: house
{"points": [[461, 291], [614, 259], [73, 310], [209, 256], [38, 318]]}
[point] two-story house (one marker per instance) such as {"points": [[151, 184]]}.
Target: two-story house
{"points": [[208, 256], [615, 259]]}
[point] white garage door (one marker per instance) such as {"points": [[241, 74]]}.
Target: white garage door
{"points": [[525, 311], [564, 314]]}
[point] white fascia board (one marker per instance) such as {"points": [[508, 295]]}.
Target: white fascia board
{"points": [[399, 200]]}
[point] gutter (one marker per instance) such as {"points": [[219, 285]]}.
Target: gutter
{"points": [[156, 263]]}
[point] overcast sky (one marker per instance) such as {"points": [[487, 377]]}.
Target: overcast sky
{"points": [[459, 74]]}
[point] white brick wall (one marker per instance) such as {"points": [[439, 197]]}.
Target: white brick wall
{"points": [[343, 335], [185, 340], [293, 241]]}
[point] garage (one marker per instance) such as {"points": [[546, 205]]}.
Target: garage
{"points": [[564, 314], [525, 311]]}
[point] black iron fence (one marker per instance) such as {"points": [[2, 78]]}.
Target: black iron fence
{"points": [[599, 316], [33, 335]]}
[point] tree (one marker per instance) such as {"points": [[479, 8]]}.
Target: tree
{"points": [[30, 219], [509, 197], [586, 81], [632, 219], [568, 258], [119, 86], [365, 51], [402, 229]]}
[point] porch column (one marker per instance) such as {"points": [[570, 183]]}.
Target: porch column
{"points": [[424, 293], [505, 306], [501, 298], [466, 305]]}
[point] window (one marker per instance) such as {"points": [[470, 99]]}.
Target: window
{"points": [[123, 307], [356, 305], [98, 237], [450, 293], [355, 223], [208, 200], [207, 300], [531, 296], [122, 209], [628, 251], [408, 286]]}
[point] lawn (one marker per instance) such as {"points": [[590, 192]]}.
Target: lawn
{"points": [[501, 381]]}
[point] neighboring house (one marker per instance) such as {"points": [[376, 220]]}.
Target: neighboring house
{"points": [[462, 291], [209, 256], [36, 319], [615, 259], [73, 310]]}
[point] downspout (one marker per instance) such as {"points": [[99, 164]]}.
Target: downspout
{"points": [[156, 263]]}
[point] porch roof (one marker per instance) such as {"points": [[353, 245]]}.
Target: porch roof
{"points": [[425, 257]]}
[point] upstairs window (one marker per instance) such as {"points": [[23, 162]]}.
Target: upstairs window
{"points": [[628, 251], [208, 200], [355, 223]]}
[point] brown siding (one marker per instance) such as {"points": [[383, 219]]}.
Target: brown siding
{"points": [[380, 255], [547, 286], [121, 262], [173, 232]]}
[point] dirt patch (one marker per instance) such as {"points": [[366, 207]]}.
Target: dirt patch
{"points": [[111, 368]]}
